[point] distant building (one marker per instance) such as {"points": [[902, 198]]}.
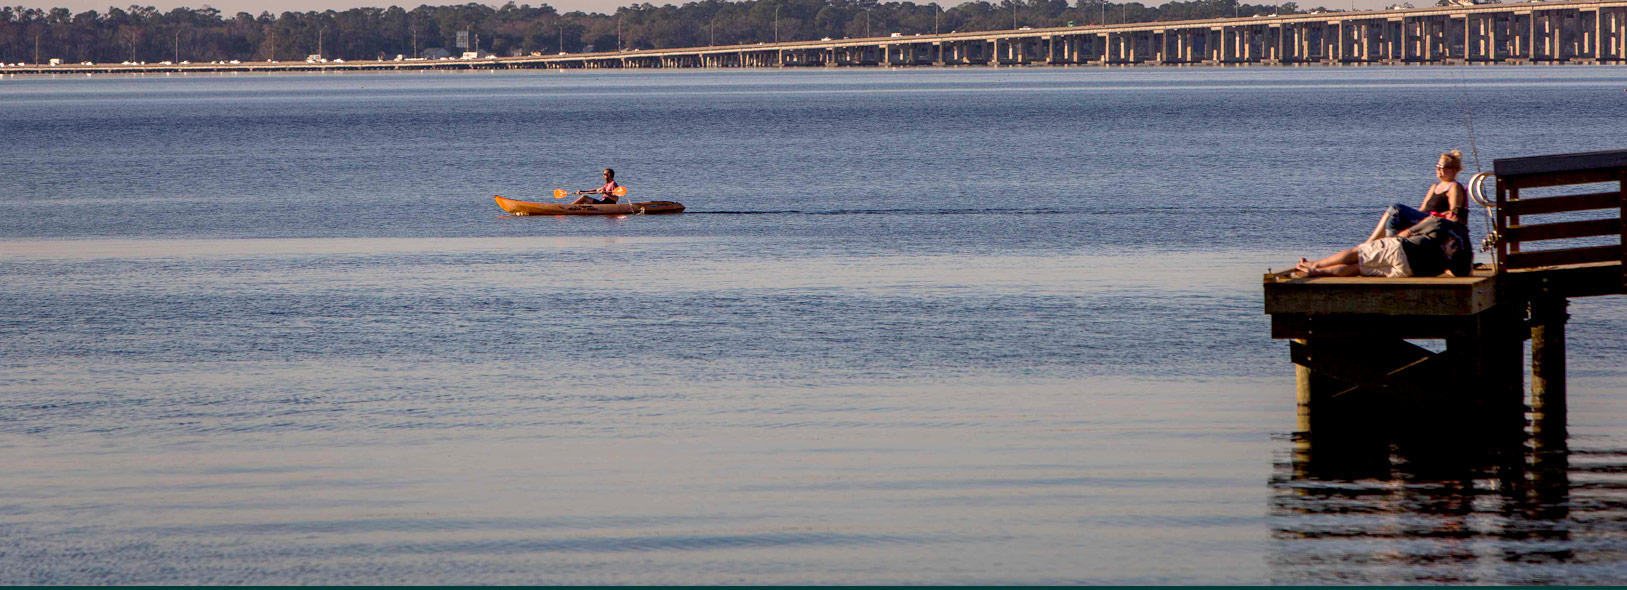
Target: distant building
{"points": [[434, 53]]}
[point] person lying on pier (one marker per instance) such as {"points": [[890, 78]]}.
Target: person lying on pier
{"points": [[1434, 246], [609, 187], [1446, 198]]}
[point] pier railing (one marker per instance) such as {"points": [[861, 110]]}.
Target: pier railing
{"points": [[1515, 212]]}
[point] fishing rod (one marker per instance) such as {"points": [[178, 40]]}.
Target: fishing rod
{"points": [[1477, 183]]}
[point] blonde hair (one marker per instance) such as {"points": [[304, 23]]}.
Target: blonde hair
{"points": [[1454, 159]]}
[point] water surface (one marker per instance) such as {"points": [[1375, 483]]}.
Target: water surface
{"points": [[997, 326]]}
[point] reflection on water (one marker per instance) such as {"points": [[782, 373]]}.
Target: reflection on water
{"points": [[1384, 499]]}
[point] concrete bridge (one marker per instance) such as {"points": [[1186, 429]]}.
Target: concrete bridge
{"points": [[1575, 32]]}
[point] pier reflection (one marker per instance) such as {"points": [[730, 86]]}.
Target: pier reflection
{"points": [[1362, 500]]}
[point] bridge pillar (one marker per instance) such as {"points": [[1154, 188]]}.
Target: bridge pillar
{"points": [[1547, 47], [1420, 42], [1290, 43], [1271, 44], [1474, 38], [1427, 34], [1607, 45], [1510, 41], [1530, 36], [1618, 25], [1368, 39], [1303, 42]]}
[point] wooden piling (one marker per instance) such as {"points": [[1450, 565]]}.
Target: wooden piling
{"points": [[1548, 407]]}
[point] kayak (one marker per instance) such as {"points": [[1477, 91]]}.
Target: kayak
{"points": [[530, 208]]}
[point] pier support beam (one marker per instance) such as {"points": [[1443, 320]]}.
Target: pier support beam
{"points": [[1548, 411]]}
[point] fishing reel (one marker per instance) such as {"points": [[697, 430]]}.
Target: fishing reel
{"points": [[1477, 191]]}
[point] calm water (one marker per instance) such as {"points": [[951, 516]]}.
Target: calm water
{"points": [[923, 326]]}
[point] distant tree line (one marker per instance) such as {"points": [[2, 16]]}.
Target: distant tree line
{"points": [[142, 33]]}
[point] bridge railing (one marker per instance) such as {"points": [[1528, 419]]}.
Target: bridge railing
{"points": [[1515, 212]]}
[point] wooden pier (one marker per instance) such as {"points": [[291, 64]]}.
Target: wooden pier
{"points": [[1352, 337]]}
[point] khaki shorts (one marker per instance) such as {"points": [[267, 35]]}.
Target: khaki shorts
{"points": [[1383, 258]]}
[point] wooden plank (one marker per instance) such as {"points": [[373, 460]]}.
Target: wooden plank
{"points": [[1503, 199], [1581, 280], [1564, 230], [1559, 178], [1364, 363], [1590, 201], [1323, 326], [1559, 163], [1565, 256], [1412, 296]]}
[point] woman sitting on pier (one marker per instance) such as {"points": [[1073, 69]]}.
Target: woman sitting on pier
{"points": [[1446, 198], [1435, 245]]}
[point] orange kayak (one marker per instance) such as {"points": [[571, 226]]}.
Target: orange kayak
{"points": [[530, 208]]}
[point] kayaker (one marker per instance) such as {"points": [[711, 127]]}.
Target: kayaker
{"points": [[609, 187]]}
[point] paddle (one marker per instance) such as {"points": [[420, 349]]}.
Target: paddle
{"points": [[621, 191]]}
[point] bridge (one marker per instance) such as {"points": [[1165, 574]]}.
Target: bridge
{"points": [[1575, 32]]}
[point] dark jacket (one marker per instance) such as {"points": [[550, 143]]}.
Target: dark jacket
{"points": [[1437, 245]]}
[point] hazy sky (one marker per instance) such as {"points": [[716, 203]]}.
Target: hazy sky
{"points": [[277, 6]]}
